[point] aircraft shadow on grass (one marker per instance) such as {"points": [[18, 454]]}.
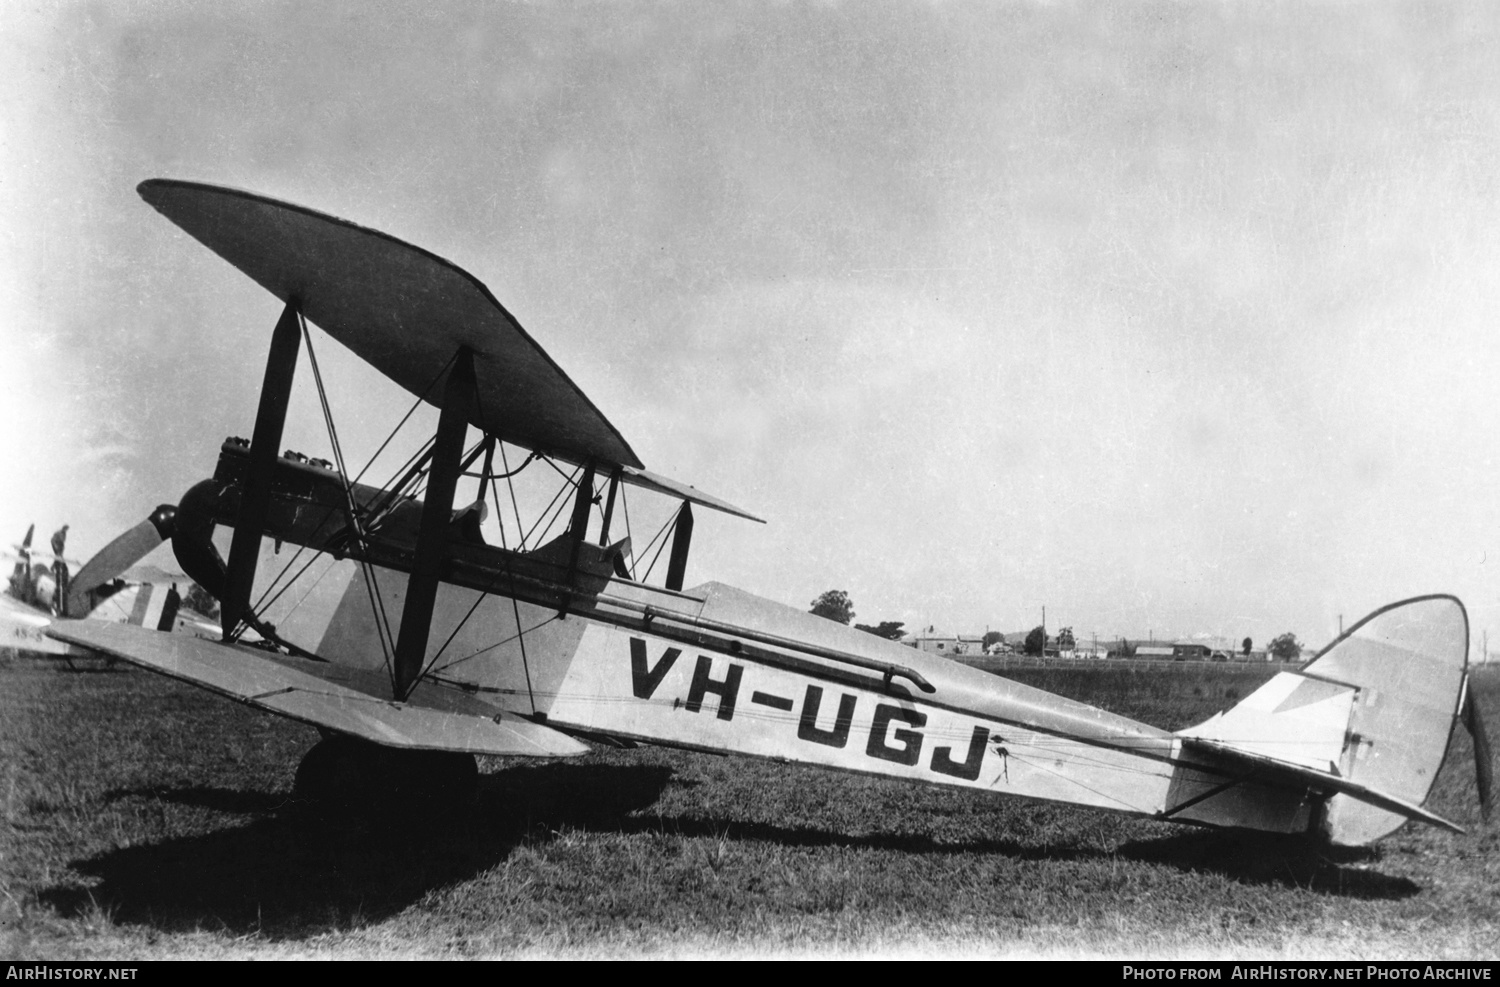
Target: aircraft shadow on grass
{"points": [[1246, 857], [291, 875], [1257, 858]]}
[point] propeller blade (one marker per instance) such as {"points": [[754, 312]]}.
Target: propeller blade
{"points": [[119, 555], [1483, 767]]}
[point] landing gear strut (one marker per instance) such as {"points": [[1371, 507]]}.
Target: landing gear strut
{"points": [[344, 775]]}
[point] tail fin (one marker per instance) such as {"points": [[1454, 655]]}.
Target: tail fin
{"points": [[22, 571], [1372, 715]]}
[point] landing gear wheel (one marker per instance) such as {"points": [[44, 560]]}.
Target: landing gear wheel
{"points": [[343, 775]]}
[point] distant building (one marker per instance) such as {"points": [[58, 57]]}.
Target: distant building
{"points": [[1186, 651], [932, 641], [947, 644]]}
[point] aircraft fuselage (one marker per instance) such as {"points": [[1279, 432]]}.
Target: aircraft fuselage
{"points": [[555, 637]]}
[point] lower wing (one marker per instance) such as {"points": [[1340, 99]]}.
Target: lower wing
{"points": [[325, 695]]}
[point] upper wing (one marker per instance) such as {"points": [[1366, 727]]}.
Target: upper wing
{"points": [[327, 695], [661, 484], [37, 556], [400, 308]]}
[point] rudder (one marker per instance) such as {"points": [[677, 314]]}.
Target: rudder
{"points": [[1368, 720], [1408, 664]]}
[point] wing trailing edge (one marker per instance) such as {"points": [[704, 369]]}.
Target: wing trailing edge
{"points": [[674, 488]]}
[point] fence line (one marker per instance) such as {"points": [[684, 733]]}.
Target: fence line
{"points": [[1000, 663]]}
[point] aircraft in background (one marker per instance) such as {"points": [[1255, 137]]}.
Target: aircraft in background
{"points": [[30, 581], [29, 603], [39, 595], [414, 643]]}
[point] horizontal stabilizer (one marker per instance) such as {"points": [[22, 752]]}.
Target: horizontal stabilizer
{"points": [[326, 695], [1266, 768]]}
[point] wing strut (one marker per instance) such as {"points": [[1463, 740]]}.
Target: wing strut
{"points": [[578, 528], [437, 515], [275, 393], [677, 564], [609, 509]]}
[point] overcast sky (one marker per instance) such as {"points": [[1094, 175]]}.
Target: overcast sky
{"points": [[1173, 319]]}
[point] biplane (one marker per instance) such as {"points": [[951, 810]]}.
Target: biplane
{"points": [[434, 636], [107, 588], [30, 600], [31, 581]]}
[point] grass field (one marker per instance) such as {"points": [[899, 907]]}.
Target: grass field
{"points": [[146, 819]]}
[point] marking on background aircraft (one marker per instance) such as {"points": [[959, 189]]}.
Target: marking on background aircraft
{"points": [[419, 645]]}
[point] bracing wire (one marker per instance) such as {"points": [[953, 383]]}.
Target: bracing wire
{"points": [[515, 606], [266, 599], [258, 609], [406, 474], [372, 587], [560, 499], [456, 628], [519, 637], [487, 444], [410, 411], [514, 505], [669, 526], [658, 536], [413, 463]]}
